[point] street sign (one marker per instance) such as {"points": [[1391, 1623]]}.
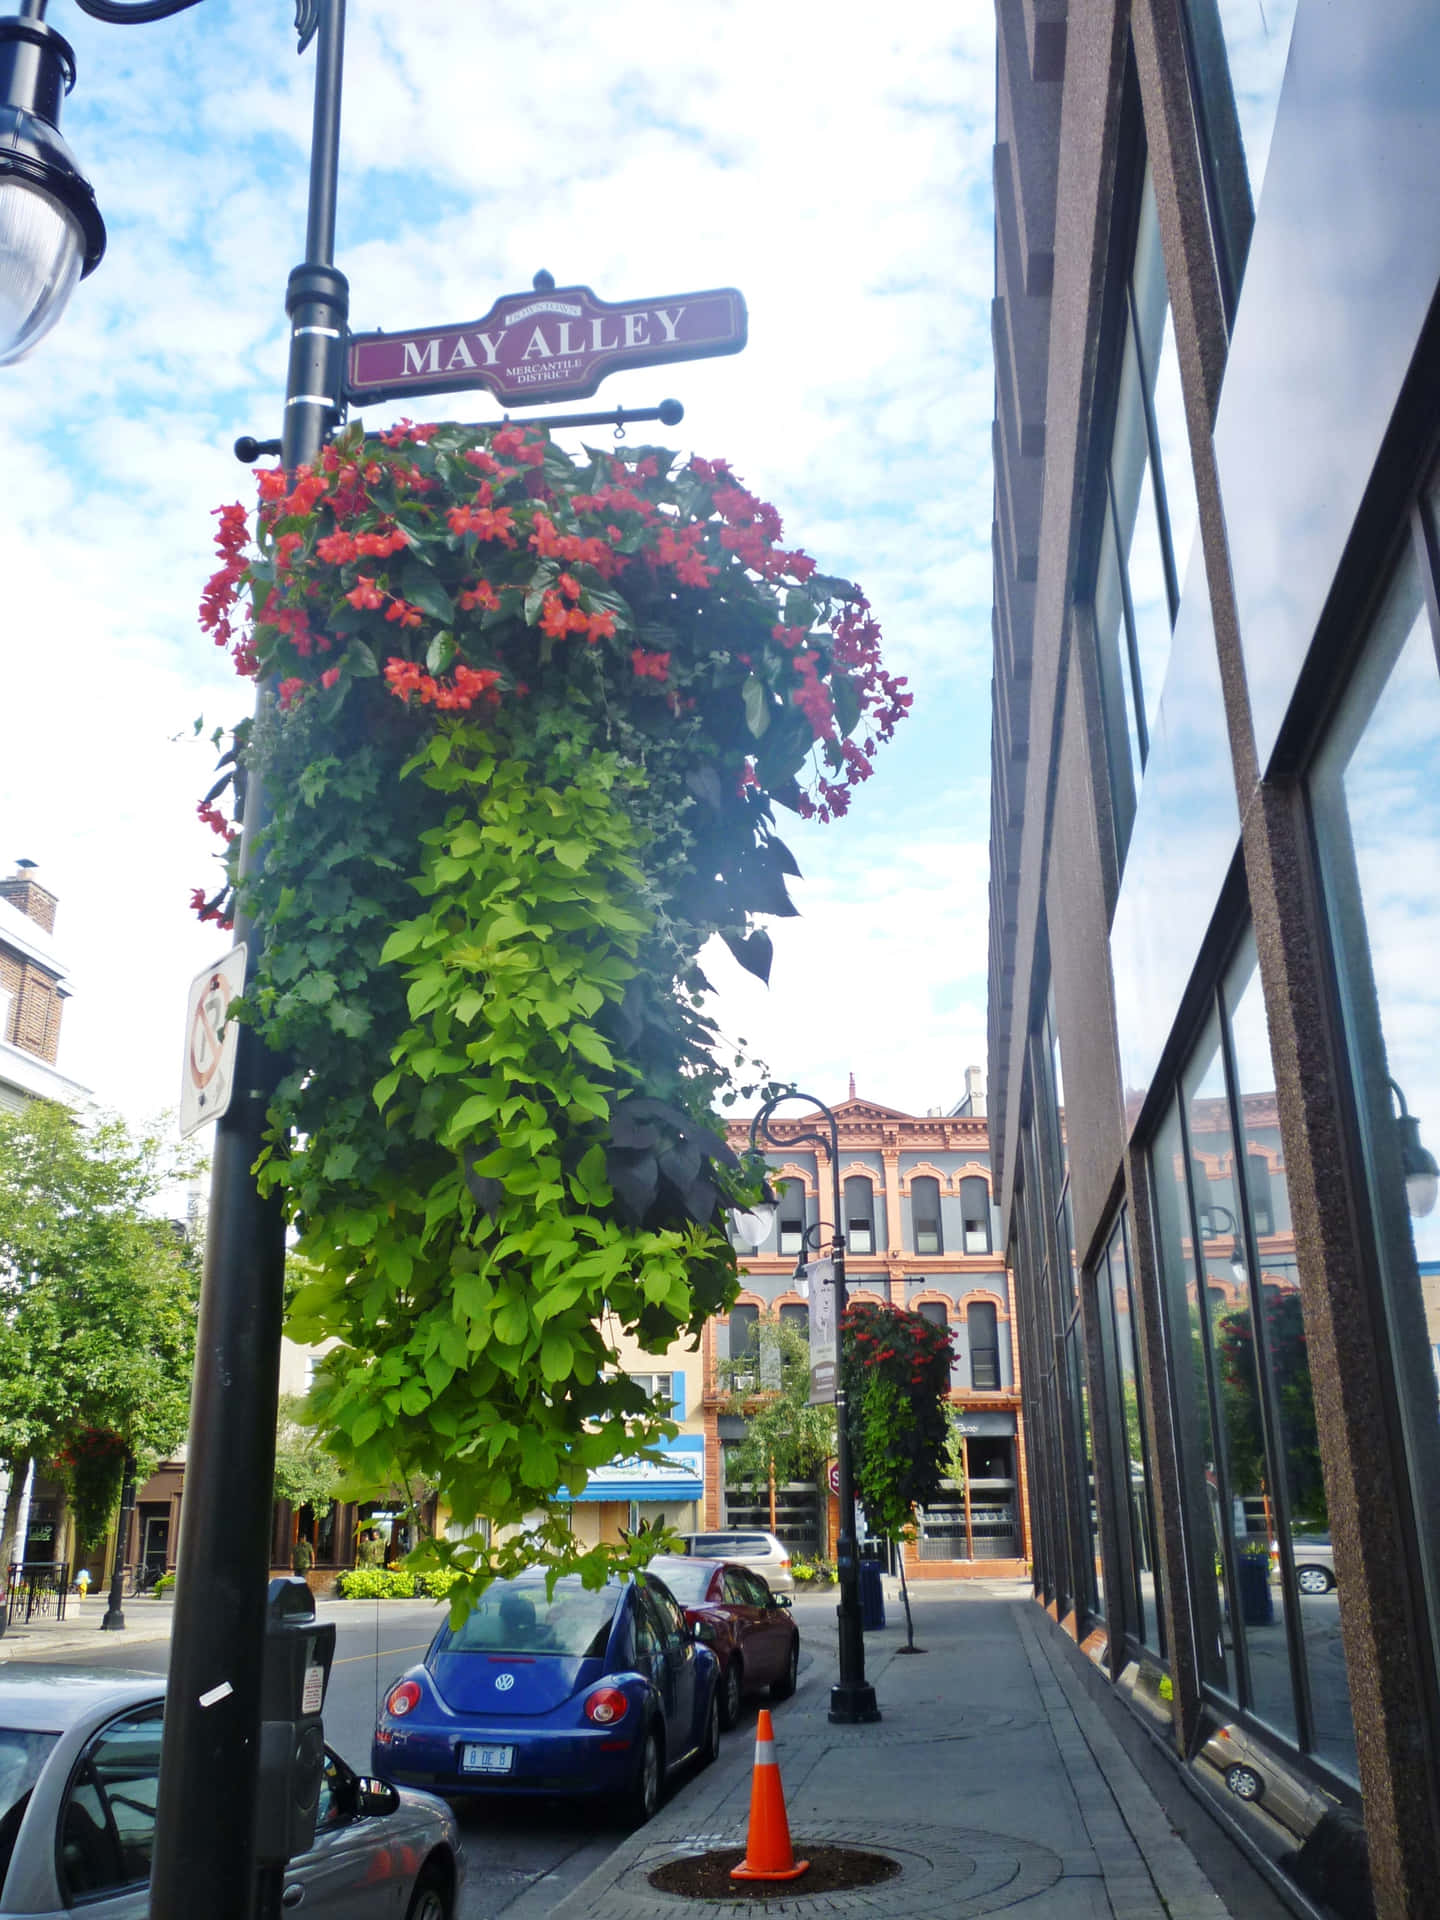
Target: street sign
{"points": [[554, 343], [834, 1478], [208, 1079], [824, 1350]]}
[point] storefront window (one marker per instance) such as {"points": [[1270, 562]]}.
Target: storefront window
{"points": [[1299, 1519], [1200, 1501], [1245, 1410], [1376, 807], [1138, 1525]]}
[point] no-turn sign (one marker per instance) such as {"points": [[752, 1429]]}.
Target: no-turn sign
{"points": [[208, 1077]]}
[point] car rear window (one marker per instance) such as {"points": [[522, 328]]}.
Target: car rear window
{"points": [[22, 1755], [517, 1617], [719, 1544], [687, 1583]]}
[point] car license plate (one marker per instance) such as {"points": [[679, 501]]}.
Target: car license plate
{"points": [[487, 1759]]}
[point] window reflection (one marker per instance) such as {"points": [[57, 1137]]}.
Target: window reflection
{"points": [[1135, 1463], [1149, 521], [1300, 1521], [1241, 48], [1377, 818], [1245, 1409], [1200, 1500], [1257, 45]]}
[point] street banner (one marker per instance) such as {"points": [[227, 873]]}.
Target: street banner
{"points": [[211, 1039], [557, 343], [824, 1346]]}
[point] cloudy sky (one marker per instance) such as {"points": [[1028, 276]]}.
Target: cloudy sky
{"points": [[833, 166]]}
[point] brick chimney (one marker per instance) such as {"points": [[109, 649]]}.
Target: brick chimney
{"points": [[22, 890]]}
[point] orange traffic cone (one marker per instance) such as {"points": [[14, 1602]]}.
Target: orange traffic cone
{"points": [[768, 1853]]}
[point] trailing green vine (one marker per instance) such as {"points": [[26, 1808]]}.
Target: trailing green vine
{"points": [[532, 713]]}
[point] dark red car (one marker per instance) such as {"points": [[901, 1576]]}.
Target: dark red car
{"points": [[750, 1630]]}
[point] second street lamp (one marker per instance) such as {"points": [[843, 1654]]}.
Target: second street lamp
{"points": [[852, 1698]]}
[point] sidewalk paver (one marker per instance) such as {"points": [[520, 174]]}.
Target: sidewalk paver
{"points": [[991, 1778]]}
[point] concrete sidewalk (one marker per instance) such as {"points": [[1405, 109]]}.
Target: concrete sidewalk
{"points": [[44, 1638], [992, 1778]]}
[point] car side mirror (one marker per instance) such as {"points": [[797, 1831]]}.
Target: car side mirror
{"points": [[783, 1600], [376, 1797]]}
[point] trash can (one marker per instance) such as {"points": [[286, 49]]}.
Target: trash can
{"points": [[872, 1596]]}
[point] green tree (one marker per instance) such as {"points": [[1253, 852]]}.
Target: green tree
{"points": [[97, 1302], [307, 1474], [785, 1437], [902, 1433]]}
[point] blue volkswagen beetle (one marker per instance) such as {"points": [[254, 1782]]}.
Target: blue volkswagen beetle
{"points": [[586, 1691]]}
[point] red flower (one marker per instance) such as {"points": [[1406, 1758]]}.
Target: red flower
{"points": [[290, 691], [329, 677], [649, 666]]}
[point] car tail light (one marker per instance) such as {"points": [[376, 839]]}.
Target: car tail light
{"points": [[402, 1699], [606, 1706]]}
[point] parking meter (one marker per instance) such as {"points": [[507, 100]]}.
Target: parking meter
{"points": [[299, 1650]]}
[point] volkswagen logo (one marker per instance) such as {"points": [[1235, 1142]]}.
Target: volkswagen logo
{"points": [[504, 1683]]}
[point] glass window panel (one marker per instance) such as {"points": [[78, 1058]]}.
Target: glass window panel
{"points": [[1135, 1466], [980, 1323], [1058, 1088], [975, 1212], [792, 1217], [1257, 45], [1172, 436], [1141, 552], [1201, 1497], [1376, 804], [1242, 1490], [925, 1212], [1117, 699], [1306, 1537], [1079, 1387]]}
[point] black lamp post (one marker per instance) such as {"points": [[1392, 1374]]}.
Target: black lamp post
{"points": [[50, 234], [852, 1699], [114, 1620]]}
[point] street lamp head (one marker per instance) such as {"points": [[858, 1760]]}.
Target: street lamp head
{"points": [[1417, 1163], [51, 233], [753, 1224]]}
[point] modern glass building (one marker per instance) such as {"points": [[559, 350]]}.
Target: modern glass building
{"points": [[1215, 892]]}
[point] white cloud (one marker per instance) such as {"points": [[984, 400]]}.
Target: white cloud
{"points": [[833, 166]]}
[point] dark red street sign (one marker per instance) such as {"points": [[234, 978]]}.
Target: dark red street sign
{"points": [[550, 344]]}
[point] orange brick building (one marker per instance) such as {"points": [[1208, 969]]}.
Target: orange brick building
{"points": [[919, 1233]]}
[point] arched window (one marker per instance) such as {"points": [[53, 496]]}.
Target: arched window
{"points": [[795, 1313], [925, 1212], [744, 1337], [792, 1216], [859, 1214], [935, 1311], [975, 1211], [981, 1324]]}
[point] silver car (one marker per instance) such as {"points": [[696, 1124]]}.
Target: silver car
{"points": [[79, 1768], [762, 1552]]}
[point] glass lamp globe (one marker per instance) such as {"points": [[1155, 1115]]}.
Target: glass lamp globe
{"points": [[1422, 1188], [753, 1224], [42, 254]]}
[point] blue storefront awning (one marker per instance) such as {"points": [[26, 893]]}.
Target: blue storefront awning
{"points": [[677, 1476]]}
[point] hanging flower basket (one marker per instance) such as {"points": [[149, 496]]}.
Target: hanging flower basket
{"points": [[531, 717]]}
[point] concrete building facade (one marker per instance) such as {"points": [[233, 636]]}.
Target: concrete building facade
{"points": [[1215, 874]]}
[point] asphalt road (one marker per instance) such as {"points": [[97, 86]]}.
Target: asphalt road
{"points": [[524, 1859]]}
